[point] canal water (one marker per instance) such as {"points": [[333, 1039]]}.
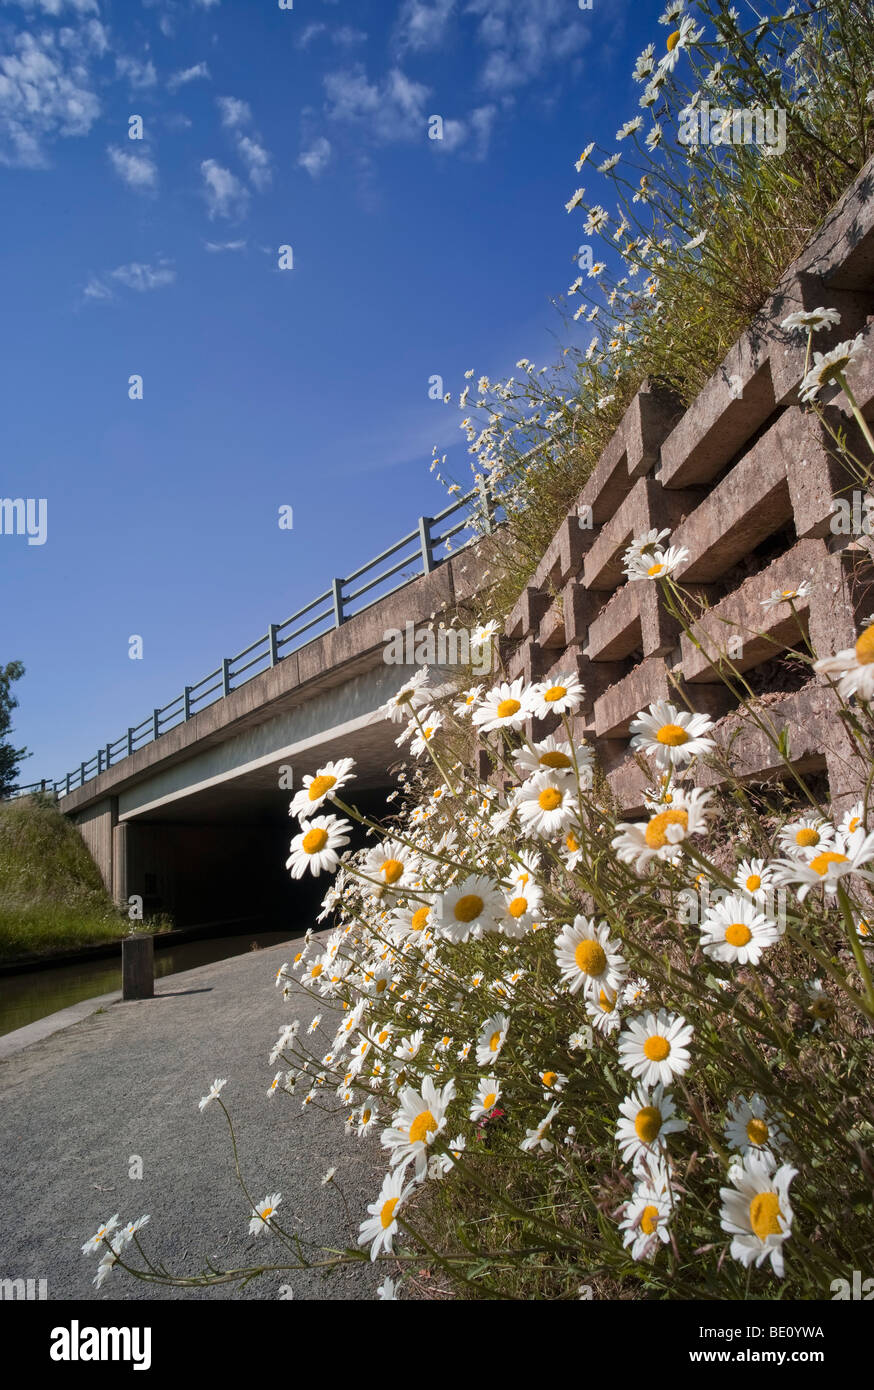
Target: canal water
{"points": [[25, 998]]}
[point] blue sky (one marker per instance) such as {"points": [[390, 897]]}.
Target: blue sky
{"points": [[262, 387]]}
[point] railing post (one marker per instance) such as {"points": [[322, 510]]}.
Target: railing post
{"points": [[99, 761], [67, 790], [425, 523], [186, 702], [130, 741], [156, 723], [336, 591], [226, 676], [81, 774], [274, 644], [108, 755]]}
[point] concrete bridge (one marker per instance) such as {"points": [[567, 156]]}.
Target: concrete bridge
{"points": [[195, 820]]}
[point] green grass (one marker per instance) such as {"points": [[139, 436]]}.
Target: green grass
{"points": [[52, 897]]}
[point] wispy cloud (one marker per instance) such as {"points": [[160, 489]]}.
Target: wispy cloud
{"points": [[471, 135], [48, 89], [139, 75], [394, 109], [316, 157], [225, 195], [185, 75], [136, 275], [137, 171], [225, 245], [236, 116], [422, 24]]}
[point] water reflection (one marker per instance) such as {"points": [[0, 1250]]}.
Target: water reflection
{"points": [[27, 997]]}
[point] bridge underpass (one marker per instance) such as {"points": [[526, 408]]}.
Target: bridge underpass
{"points": [[196, 822]]}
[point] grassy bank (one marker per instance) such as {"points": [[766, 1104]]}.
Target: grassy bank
{"points": [[52, 898]]}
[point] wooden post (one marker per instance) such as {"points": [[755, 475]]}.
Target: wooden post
{"points": [[138, 967]]}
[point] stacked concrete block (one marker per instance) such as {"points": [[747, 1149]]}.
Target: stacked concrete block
{"points": [[746, 480]]}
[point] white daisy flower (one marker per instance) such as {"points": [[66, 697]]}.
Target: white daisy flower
{"points": [[215, 1091], [629, 127], [547, 803], [654, 1047], [93, 1245], [589, 958], [413, 694], [488, 1093], [388, 1291], [756, 1210], [564, 695], [657, 564], [325, 784], [556, 754], [646, 1217], [828, 366], [806, 836], [811, 320], [262, 1214], [754, 877], [471, 907], [853, 667], [553, 1081], [688, 33], [575, 200], [522, 909], [828, 866], [504, 707], [391, 865], [671, 736], [662, 836], [315, 848], [749, 1127], [493, 1035], [584, 156], [778, 596], [596, 220], [408, 1048], [603, 1013], [646, 1117], [417, 1123], [539, 1137], [378, 1231], [465, 704], [736, 933], [432, 723], [644, 65]]}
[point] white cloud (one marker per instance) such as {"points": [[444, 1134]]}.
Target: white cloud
{"points": [[472, 134], [257, 161], [234, 112], [141, 278], [47, 90], [225, 195], [347, 37], [56, 7], [138, 171], [140, 75], [421, 24], [393, 109], [225, 245], [316, 157], [522, 45], [207, 4], [137, 276], [186, 75], [311, 32]]}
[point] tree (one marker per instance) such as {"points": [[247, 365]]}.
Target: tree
{"points": [[10, 756]]}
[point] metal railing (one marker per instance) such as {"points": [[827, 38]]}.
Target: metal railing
{"points": [[419, 553]]}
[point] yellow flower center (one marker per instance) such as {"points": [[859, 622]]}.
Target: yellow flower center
{"points": [[468, 907], [419, 918], [865, 647], [765, 1214], [757, 1131], [421, 1127], [268, 1211], [518, 907], [316, 970], [673, 40], [489, 1100], [387, 1215], [549, 1078], [572, 842], [555, 759], [606, 1004], [391, 870], [807, 836], [494, 1042], [754, 883], [380, 985], [855, 822], [649, 1220], [314, 840], [320, 785], [654, 570], [655, 835], [590, 958], [656, 1048], [647, 1124], [507, 708], [738, 934], [549, 799], [822, 862], [556, 692], [673, 735]]}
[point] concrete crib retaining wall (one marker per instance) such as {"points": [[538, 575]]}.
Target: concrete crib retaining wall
{"points": [[745, 479]]}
